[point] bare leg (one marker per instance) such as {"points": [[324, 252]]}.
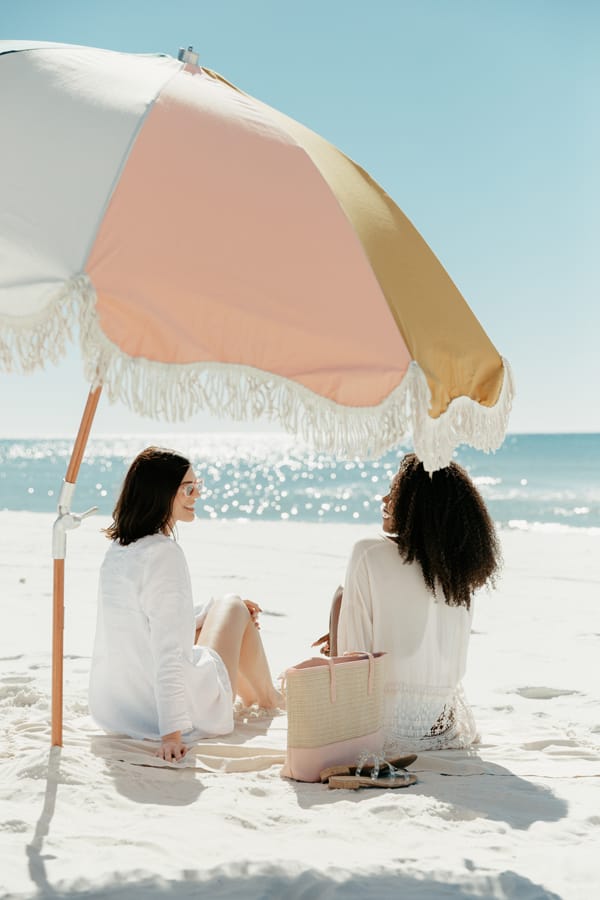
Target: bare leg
{"points": [[228, 629], [245, 691]]}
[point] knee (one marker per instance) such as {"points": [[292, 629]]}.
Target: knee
{"points": [[233, 605]]}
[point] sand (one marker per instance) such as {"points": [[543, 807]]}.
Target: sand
{"points": [[518, 817]]}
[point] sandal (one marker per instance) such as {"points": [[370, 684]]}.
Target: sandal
{"points": [[400, 762], [353, 782]]}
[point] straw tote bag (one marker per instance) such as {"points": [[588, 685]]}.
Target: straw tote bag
{"points": [[335, 712]]}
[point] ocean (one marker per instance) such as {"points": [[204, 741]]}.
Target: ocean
{"points": [[532, 482]]}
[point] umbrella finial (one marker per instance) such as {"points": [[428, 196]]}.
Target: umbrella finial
{"points": [[188, 56]]}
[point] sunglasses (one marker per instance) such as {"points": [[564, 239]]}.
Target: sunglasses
{"points": [[187, 488]]}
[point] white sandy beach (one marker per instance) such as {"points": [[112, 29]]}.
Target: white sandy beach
{"points": [[517, 817]]}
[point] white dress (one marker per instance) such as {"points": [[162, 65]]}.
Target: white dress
{"points": [[147, 678], [387, 606]]}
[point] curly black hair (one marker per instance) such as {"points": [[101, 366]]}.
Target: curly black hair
{"points": [[146, 499], [441, 521]]}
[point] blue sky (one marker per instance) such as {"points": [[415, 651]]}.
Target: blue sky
{"points": [[479, 117]]}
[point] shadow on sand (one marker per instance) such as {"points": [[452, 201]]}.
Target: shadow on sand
{"points": [[498, 795], [150, 784], [478, 795], [272, 882]]}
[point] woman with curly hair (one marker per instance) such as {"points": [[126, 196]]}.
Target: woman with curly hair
{"points": [[409, 592], [162, 669]]}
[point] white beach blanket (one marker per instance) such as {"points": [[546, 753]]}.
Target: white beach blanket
{"points": [[259, 743], [254, 745]]}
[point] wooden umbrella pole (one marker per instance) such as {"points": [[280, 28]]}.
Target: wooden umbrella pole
{"points": [[82, 436], [58, 622], [66, 520]]}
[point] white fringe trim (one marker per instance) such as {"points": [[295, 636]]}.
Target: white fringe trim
{"points": [[464, 422], [175, 392], [29, 342]]}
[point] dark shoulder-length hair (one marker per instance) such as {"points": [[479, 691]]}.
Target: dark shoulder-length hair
{"points": [[441, 521], [146, 498]]}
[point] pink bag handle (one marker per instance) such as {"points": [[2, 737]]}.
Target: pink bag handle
{"points": [[360, 654]]}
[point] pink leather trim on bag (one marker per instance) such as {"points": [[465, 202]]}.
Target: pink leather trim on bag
{"points": [[307, 764], [357, 654]]}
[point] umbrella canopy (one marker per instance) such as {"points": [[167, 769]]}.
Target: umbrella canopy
{"points": [[218, 255]]}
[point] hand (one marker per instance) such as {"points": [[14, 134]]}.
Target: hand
{"points": [[254, 609], [324, 642], [172, 748]]}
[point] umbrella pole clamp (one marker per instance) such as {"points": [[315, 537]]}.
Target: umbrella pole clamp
{"points": [[66, 520]]}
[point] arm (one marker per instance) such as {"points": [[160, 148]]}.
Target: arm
{"points": [[328, 642], [355, 626], [165, 598]]}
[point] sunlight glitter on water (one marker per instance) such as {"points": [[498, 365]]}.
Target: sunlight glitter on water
{"points": [[274, 476]]}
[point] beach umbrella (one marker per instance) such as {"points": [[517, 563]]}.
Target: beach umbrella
{"points": [[214, 254]]}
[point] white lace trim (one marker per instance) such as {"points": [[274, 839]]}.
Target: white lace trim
{"points": [[174, 392], [421, 717]]}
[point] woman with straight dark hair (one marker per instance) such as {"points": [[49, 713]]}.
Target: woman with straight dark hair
{"points": [[410, 591], [161, 669]]}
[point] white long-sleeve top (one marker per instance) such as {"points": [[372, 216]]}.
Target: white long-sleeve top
{"points": [[387, 606], [147, 678]]}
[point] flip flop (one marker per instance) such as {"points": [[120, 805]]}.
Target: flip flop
{"points": [[400, 762], [354, 782]]}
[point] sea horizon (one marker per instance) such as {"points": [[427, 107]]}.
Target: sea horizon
{"points": [[533, 481]]}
